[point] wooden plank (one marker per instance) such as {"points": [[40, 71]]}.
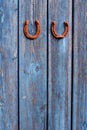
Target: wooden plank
{"points": [[33, 67], [60, 53], [8, 65], [80, 66]]}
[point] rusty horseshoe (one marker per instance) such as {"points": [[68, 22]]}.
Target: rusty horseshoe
{"points": [[55, 34], [27, 34]]}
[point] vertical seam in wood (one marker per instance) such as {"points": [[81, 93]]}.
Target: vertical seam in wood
{"points": [[18, 70], [47, 60], [72, 69]]}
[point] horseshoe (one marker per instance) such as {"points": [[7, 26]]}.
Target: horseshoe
{"points": [[27, 34], [55, 34]]}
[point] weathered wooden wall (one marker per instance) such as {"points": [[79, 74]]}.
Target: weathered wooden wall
{"points": [[33, 67], [43, 82], [60, 56], [80, 66], [8, 65]]}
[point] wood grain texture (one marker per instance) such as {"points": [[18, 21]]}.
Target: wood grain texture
{"points": [[60, 53], [8, 65], [80, 66], [33, 67]]}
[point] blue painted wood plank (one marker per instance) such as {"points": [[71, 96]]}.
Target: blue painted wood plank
{"points": [[80, 66], [8, 65], [60, 53], [33, 67]]}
